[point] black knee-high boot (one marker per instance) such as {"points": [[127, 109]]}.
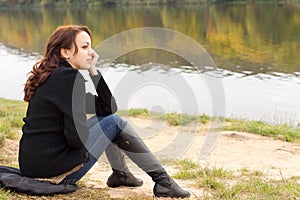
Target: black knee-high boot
{"points": [[134, 147]]}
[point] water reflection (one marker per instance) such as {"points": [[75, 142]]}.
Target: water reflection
{"points": [[240, 38]]}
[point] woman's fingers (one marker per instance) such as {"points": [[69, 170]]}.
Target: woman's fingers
{"points": [[95, 57]]}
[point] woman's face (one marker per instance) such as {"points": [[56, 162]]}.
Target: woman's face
{"points": [[84, 57]]}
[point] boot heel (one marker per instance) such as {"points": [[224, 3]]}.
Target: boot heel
{"points": [[118, 178]]}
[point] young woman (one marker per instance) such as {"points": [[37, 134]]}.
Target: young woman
{"points": [[59, 144]]}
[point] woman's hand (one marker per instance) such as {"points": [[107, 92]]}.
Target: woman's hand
{"points": [[95, 58]]}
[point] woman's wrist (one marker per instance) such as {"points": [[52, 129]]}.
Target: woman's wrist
{"points": [[95, 58], [93, 71]]}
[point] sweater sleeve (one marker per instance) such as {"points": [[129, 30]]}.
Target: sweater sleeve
{"points": [[69, 100], [104, 103]]}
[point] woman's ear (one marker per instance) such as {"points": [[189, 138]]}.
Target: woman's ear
{"points": [[65, 53]]}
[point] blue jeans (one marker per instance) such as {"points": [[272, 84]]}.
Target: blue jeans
{"points": [[103, 130]]}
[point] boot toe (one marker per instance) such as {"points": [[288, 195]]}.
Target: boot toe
{"points": [[173, 190], [136, 182]]}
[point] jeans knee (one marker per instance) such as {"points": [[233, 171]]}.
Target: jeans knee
{"points": [[120, 122]]}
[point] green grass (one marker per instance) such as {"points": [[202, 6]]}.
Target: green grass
{"points": [[174, 119], [258, 127], [11, 115], [283, 131], [13, 111], [134, 112], [242, 184], [204, 119]]}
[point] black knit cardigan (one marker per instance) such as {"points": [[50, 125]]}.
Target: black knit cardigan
{"points": [[55, 128]]}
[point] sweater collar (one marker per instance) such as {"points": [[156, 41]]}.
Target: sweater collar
{"points": [[64, 63]]}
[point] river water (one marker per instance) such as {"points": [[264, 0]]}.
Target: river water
{"points": [[255, 49]]}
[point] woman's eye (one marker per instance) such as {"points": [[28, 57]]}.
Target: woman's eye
{"points": [[84, 47]]}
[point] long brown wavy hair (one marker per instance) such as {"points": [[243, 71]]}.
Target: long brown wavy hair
{"points": [[62, 37]]}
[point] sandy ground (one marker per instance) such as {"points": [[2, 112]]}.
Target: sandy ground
{"points": [[233, 151], [277, 159]]}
